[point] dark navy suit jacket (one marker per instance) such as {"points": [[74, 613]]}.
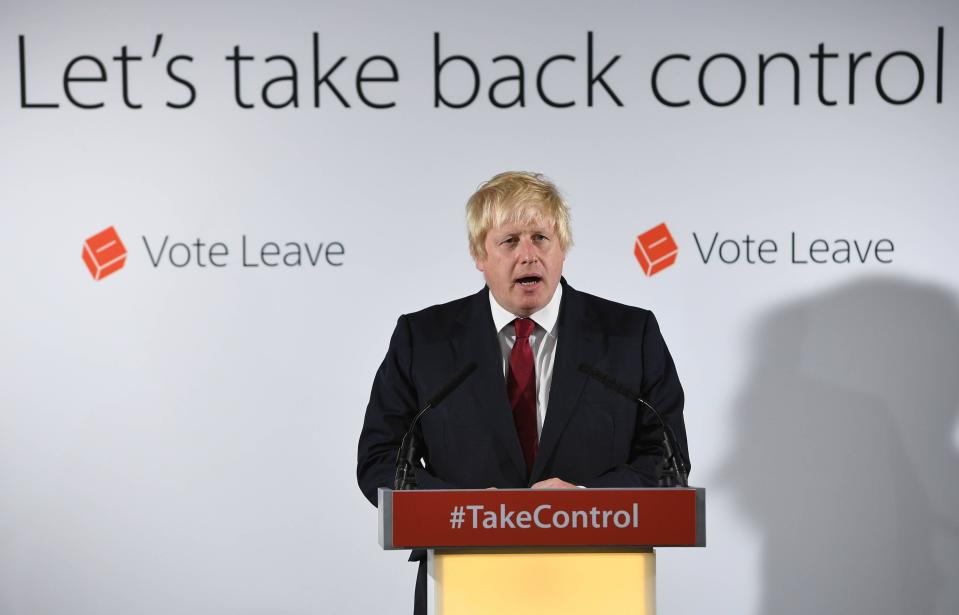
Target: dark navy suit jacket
{"points": [[591, 436]]}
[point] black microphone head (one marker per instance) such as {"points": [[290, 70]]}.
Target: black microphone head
{"points": [[451, 385], [608, 381]]}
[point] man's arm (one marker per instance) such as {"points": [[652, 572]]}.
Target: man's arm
{"points": [[661, 388], [393, 404]]}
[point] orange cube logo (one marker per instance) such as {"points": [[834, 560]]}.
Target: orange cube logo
{"points": [[104, 253], [655, 249]]}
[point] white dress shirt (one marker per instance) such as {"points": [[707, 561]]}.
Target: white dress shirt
{"points": [[542, 341]]}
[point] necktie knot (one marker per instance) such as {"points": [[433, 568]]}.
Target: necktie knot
{"points": [[524, 327]]}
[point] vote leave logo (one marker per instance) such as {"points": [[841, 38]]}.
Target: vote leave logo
{"points": [[104, 253], [656, 249]]}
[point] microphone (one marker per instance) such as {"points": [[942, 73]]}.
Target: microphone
{"points": [[404, 479], [674, 458]]}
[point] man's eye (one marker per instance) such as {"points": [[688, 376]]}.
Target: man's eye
{"points": [[540, 237]]}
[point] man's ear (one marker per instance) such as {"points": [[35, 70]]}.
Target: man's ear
{"points": [[480, 264]]}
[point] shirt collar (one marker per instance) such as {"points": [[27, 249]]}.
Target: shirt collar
{"points": [[545, 317]]}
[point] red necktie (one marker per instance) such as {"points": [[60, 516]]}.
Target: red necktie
{"points": [[521, 388]]}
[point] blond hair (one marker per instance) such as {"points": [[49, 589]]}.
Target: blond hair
{"points": [[515, 196]]}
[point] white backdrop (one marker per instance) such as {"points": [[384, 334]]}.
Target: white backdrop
{"points": [[183, 440]]}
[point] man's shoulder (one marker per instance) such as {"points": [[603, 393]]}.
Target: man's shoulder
{"points": [[613, 317], [602, 304], [439, 320]]}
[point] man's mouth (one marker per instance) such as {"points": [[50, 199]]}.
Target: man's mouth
{"points": [[529, 281]]}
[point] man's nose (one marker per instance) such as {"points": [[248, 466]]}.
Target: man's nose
{"points": [[528, 252]]}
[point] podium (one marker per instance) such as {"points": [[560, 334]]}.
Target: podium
{"points": [[556, 551]]}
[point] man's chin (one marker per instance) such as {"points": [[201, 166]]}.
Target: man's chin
{"points": [[526, 304]]}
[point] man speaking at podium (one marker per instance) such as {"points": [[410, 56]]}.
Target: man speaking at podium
{"points": [[530, 415]]}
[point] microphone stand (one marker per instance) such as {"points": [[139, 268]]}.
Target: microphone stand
{"points": [[405, 478], [674, 475]]}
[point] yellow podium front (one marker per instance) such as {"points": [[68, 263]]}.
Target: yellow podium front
{"points": [[548, 581]]}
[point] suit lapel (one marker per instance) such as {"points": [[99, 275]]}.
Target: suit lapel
{"points": [[577, 342], [476, 341]]}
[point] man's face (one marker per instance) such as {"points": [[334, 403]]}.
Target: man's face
{"points": [[523, 264]]}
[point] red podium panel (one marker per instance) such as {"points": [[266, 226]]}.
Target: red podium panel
{"points": [[536, 518]]}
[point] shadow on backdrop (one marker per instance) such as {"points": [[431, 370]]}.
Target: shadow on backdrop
{"points": [[844, 459]]}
